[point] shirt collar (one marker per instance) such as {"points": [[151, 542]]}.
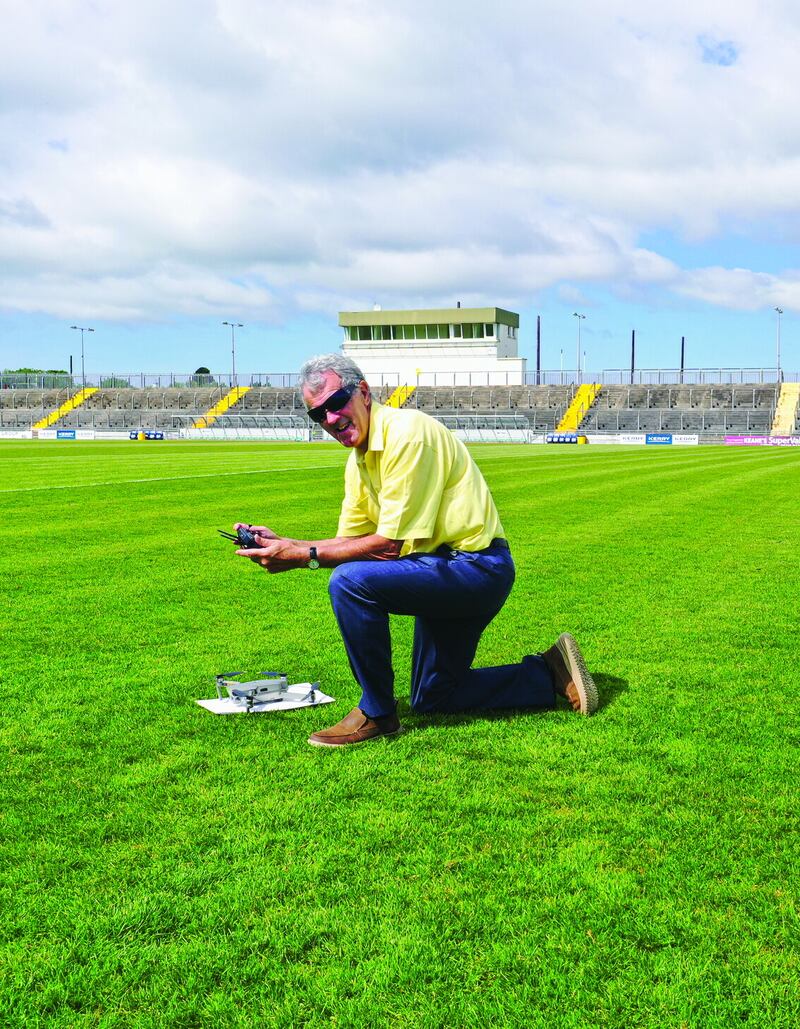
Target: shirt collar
{"points": [[375, 437]]}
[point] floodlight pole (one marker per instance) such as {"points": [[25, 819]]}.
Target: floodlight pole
{"points": [[633, 353], [234, 326], [82, 328], [580, 317], [683, 350], [779, 311]]}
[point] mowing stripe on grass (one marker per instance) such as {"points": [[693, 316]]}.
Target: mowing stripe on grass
{"points": [[201, 475]]}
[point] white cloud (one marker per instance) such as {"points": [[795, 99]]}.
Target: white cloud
{"points": [[741, 289], [193, 157]]}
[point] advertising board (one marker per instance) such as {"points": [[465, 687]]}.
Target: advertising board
{"points": [[639, 438], [762, 441], [66, 434]]}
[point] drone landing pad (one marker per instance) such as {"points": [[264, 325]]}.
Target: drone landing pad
{"points": [[296, 696]]}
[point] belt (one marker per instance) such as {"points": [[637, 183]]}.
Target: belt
{"points": [[497, 544]]}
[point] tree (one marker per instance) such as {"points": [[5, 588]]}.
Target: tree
{"points": [[201, 377]]}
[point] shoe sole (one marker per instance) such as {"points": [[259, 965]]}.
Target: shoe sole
{"points": [[573, 659], [355, 743]]}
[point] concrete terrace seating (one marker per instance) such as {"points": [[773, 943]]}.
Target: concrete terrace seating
{"points": [[157, 408], [41, 400], [18, 418], [542, 406], [711, 410], [682, 408], [689, 397]]}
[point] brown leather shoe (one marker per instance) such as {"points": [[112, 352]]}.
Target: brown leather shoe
{"points": [[570, 675], [355, 728]]}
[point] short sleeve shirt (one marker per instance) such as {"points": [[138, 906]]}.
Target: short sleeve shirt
{"points": [[418, 483]]}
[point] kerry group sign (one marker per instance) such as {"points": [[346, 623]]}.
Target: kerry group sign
{"points": [[662, 439], [659, 439]]}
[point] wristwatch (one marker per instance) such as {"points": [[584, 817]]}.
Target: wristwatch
{"points": [[313, 560]]}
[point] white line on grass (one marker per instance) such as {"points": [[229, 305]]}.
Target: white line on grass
{"points": [[174, 478], [204, 475]]}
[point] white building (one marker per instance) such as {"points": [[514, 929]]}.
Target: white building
{"points": [[454, 346]]}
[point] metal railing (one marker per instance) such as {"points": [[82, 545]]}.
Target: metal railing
{"points": [[288, 380]]}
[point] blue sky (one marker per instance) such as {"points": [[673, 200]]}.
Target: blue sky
{"points": [[167, 168]]}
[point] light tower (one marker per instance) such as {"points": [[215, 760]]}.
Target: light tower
{"points": [[82, 329], [234, 326], [580, 317]]}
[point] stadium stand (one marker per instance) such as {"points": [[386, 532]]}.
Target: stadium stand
{"points": [[399, 396], [788, 410], [508, 411], [542, 407], [222, 406], [70, 404], [585, 396], [700, 409]]}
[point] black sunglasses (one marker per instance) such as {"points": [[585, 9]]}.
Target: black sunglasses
{"points": [[335, 402]]}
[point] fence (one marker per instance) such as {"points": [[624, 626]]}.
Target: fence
{"points": [[286, 380]]}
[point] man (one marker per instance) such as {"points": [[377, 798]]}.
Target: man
{"points": [[418, 535]]}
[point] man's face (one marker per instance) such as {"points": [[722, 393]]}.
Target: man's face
{"points": [[350, 425]]}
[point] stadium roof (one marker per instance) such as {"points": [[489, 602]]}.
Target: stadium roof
{"points": [[448, 315]]}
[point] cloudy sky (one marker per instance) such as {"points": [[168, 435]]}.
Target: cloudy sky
{"points": [[165, 166]]}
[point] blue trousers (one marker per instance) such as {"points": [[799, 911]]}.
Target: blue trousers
{"points": [[452, 596]]}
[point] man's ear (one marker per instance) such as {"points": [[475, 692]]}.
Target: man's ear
{"points": [[365, 393]]}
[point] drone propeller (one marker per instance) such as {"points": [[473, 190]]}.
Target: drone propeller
{"points": [[228, 675]]}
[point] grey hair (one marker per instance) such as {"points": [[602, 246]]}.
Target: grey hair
{"points": [[313, 371]]}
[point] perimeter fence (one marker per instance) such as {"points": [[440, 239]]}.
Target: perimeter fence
{"points": [[288, 380]]}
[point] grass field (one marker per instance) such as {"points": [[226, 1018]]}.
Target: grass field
{"points": [[165, 867]]}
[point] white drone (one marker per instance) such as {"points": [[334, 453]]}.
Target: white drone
{"points": [[272, 693]]}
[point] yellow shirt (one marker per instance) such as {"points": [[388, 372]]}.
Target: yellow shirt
{"points": [[416, 482]]}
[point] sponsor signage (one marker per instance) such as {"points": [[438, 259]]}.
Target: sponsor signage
{"points": [[763, 441], [66, 434], [638, 438]]}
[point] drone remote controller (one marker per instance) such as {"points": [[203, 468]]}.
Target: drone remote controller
{"points": [[244, 538]]}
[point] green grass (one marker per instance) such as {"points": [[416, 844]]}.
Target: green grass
{"points": [[165, 867]]}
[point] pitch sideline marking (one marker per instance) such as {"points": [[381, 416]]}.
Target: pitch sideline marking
{"points": [[173, 478]]}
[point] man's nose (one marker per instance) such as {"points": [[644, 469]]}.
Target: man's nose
{"points": [[332, 417]]}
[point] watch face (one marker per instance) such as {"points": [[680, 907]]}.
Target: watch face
{"points": [[313, 561]]}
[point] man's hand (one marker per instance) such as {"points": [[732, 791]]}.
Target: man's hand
{"points": [[275, 554], [281, 554], [260, 530]]}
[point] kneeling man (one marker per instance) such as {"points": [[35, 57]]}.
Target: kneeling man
{"points": [[419, 535]]}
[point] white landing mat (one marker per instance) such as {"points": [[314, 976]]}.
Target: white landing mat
{"points": [[296, 696]]}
